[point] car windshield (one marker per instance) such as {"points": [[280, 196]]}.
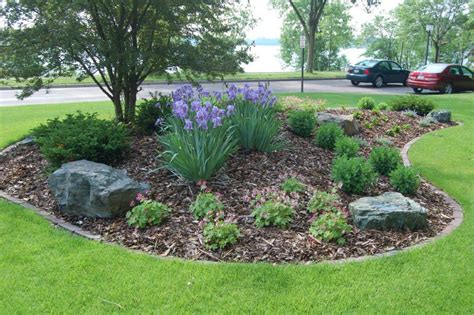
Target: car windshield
{"points": [[433, 68], [367, 63]]}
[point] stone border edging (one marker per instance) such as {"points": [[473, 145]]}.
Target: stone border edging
{"points": [[455, 223]]}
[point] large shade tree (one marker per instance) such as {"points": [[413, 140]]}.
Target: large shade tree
{"points": [[309, 14], [334, 34], [118, 43]]}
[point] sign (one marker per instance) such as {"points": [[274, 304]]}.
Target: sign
{"points": [[302, 41]]}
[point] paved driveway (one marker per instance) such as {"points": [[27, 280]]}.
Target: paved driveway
{"points": [[88, 94]]}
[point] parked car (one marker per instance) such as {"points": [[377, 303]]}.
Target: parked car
{"points": [[445, 78], [377, 72]]}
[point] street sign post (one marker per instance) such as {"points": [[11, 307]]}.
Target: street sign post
{"points": [[302, 46]]}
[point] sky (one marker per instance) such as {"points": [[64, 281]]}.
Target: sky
{"points": [[269, 22]]}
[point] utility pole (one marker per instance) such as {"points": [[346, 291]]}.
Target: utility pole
{"points": [[302, 45]]}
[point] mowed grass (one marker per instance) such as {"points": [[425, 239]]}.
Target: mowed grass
{"points": [[46, 270]]}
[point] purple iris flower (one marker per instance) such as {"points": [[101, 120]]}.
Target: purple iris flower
{"points": [[230, 110], [188, 124]]}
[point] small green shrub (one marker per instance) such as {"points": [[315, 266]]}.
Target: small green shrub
{"points": [[220, 235], [152, 114], [382, 106], [355, 174], [405, 180], [329, 227], [346, 146], [385, 159], [302, 122], [323, 201], [327, 135], [422, 106], [273, 213], [82, 137], [147, 213], [205, 204], [292, 185], [366, 103]]}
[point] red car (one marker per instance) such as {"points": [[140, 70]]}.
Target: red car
{"points": [[444, 78]]}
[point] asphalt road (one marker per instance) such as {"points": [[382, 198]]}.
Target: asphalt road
{"points": [[88, 94]]}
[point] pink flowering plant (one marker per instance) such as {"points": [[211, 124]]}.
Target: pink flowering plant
{"points": [[146, 212]]}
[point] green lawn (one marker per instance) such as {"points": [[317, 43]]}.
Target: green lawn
{"points": [[239, 77], [47, 270]]}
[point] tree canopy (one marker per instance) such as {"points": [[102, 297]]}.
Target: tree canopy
{"points": [[402, 34], [334, 33], [118, 43]]}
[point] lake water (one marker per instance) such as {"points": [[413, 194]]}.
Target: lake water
{"points": [[267, 58]]}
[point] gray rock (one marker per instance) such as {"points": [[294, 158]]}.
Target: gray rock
{"points": [[92, 189], [390, 211], [442, 116], [346, 122]]}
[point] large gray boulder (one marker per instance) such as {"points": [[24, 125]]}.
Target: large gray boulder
{"points": [[92, 189], [390, 211], [442, 116], [346, 122]]}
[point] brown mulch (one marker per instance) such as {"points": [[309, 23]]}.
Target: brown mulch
{"points": [[23, 174]]}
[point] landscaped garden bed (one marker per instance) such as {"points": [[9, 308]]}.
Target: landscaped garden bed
{"points": [[248, 179]]}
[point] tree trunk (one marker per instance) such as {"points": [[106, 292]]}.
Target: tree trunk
{"points": [[130, 99], [118, 107], [437, 52], [310, 59]]}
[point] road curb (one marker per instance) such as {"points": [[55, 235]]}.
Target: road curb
{"points": [[458, 217]]}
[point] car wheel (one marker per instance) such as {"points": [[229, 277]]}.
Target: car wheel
{"points": [[448, 89], [417, 90], [355, 82], [378, 83], [405, 83]]}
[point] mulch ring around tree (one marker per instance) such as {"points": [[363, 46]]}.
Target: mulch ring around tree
{"points": [[24, 172]]}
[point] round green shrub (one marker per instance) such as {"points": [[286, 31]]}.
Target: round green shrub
{"points": [[147, 213], [220, 235], [302, 122], [82, 137], [405, 180], [273, 213], [329, 227], [346, 146], [355, 174], [327, 135], [385, 159], [152, 114], [205, 204], [366, 103], [382, 106], [422, 106]]}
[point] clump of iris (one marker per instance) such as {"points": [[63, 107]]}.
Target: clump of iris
{"points": [[198, 108], [261, 96]]}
